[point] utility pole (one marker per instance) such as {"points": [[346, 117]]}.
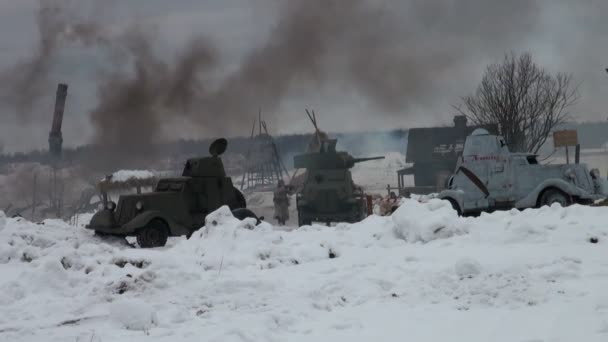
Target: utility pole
{"points": [[606, 144], [55, 144]]}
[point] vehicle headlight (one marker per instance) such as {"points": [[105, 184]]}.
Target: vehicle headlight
{"points": [[594, 173], [570, 174], [139, 206], [111, 206]]}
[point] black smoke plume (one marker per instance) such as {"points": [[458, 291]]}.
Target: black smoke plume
{"points": [[394, 54]]}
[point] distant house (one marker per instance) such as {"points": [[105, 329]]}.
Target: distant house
{"points": [[434, 152]]}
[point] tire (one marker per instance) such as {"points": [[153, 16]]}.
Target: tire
{"points": [[239, 200], [550, 196], [455, 206], [243, 213], [302, 221], [154, 234], [101, 234]]}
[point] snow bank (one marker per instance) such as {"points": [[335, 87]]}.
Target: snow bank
{"points": [[438, 221], [423, 274], [133, 315]]}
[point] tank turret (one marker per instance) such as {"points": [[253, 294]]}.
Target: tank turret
{"points": [[328, 158]]}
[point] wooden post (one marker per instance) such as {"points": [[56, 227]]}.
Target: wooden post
{"points": [[577, 154], [567, 156], [34, 199], [399, 181]]}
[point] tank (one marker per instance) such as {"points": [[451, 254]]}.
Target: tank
{"points": [[328, 193], [177, 206]]}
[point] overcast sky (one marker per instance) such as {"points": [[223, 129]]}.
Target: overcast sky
{"points": [[562, 35]]}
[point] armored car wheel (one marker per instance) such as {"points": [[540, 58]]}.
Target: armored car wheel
{"points": [[303, 221], [100, 234], [239, 200], [243, 213], [551, 196], [154, 234], [454, 204]]}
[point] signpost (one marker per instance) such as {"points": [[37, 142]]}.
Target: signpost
{"points": [[566, 138]]}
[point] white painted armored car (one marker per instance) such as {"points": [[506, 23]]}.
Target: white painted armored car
{"points": [[489, 177]]}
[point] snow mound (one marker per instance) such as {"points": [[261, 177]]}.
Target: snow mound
{"points": [[423, 222], [467, 268], [133, 315], [424, 273]]}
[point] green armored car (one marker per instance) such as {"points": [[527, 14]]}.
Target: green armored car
{"points": [[177, 206]]}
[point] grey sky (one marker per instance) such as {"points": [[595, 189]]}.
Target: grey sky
{"points": [[562, 35]]}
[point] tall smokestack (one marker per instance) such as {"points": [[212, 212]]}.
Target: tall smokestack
{"points": [[55, 137]]}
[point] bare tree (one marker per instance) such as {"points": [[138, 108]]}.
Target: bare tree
{"points": [[525, 101]]}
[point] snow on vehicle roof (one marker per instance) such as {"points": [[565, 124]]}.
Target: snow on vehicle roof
{"points": [[125, 175], [480, 131]]}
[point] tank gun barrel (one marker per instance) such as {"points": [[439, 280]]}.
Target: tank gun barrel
{"points": [[359, 160]]}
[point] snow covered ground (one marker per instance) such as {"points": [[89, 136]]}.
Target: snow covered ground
{"points": [[423, 274]]}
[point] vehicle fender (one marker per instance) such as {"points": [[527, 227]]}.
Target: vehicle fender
{"points": [[603, 186], [530, 200], [142, 219], [456, 195]]}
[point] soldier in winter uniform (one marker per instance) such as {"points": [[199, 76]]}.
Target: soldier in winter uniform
{"points": [[389, 204], [281, 203]]}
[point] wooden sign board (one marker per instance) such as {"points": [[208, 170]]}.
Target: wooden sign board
{"points": [[565, 138]]}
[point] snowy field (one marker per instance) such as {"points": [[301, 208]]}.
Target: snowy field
{"points": [[423, 274]]}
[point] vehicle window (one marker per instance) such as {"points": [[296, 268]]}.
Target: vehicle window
{"points": [[532, 160], [176, 186], [169, 186], [162, 186]]}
